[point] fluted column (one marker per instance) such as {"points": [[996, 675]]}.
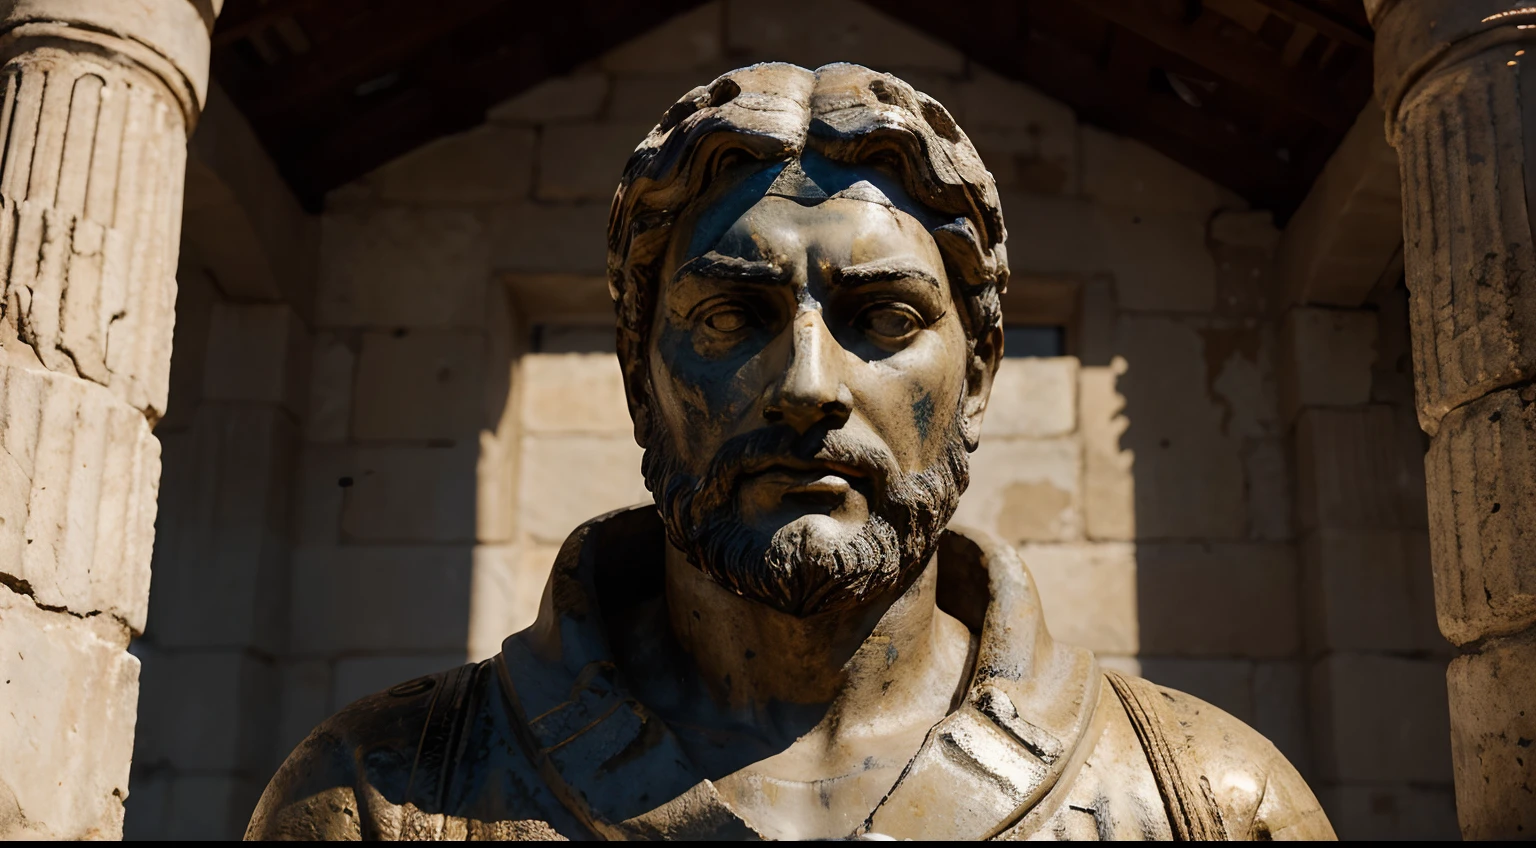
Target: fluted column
{"points": [[1457, 80], [96, 100]]}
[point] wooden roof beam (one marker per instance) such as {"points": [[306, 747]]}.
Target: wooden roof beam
{"points": [[375, 47], [1308, 94], [1299, 12]]}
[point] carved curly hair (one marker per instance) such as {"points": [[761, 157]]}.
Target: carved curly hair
{"points": [[774, 112]]}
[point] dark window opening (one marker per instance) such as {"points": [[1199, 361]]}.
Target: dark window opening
{"points": [[573, 338], [1022, 340]]}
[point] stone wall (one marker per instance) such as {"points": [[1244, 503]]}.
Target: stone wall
{"points": [[214, 650], [461, 412]]}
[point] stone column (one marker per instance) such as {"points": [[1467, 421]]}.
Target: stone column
{"points": [[96, 100], [1457, 81]]}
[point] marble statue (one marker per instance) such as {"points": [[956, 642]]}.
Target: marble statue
{"points": [[791, 643]]}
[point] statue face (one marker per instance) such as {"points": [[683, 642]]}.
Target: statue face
{"points": [[810, 371]]}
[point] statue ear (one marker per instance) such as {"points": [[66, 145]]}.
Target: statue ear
{"points": [[978, 384]]}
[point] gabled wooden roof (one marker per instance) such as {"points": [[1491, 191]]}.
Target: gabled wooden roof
{"points": [[1254, 94]]}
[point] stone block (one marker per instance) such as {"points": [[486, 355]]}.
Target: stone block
{"points": [[1326, 357], [77, 494], [359, 676], [1481, 471], [1053, 235], [211, 806], [1270, 500], [1109, 484], [1240, 378], [1392, 372], [812, 33], [1188, 469], [496, 484], [496, 465], [1380, 719], [992, 101], [640, 99], [328, 416], [416, 598], [220, 558], [170, 805], [258, 353], [1160, 260], [1363, 591], [411, 494], [564, 98], [196, 296], [1026, 490], [1424, 624], [488, 164], [691, 40], [557, 299], [206, 711], [1254, 228], [583, 161], [507, 586], [1026, 139], [1391, 812], [1245, 595], [1351, 473], [563, 238], [1245, 280], [1127, 174], [70, 693], [565, 480], [1493, 699], [573, 393], [1345, 232], [1034, 397], [1033, 159], [145, 808], [306, 701], [323, 476], [241, 217], [420, 385], [404, 267], [1096, 317], [1088, 592], [1280, 709]]}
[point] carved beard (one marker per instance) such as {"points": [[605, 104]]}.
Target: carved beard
{"points": [[791, 570]]}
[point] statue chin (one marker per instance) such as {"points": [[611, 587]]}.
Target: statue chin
{"points": [[812, 565]]}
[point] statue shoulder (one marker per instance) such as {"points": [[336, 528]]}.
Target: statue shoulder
{"points": [[1256, 790], [348, 766]]}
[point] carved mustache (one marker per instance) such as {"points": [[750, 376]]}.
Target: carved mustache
{"points": [[750, 453]]}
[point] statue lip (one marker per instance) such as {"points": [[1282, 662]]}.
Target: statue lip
{"points": [[798, 467]]}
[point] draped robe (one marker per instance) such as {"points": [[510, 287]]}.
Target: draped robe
{"points": [[545, 741]]}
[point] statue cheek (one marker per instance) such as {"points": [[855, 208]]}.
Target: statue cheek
{"points": [[708, 389]]}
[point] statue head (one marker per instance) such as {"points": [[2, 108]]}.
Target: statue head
{"points": [[806, 267]]}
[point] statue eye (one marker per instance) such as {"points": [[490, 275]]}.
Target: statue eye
{"points": [[726, 320], [892, 321]]}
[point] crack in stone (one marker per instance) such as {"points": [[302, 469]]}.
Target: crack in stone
{"points": [[24, 588]]}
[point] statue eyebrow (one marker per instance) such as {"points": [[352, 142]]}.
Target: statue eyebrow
{"points": [[885, 271], [718, 266]]}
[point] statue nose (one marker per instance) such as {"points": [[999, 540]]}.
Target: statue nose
{"points": [[811, 391]]}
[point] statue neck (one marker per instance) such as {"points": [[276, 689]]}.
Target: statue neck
{"points": [[750, 655]]}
